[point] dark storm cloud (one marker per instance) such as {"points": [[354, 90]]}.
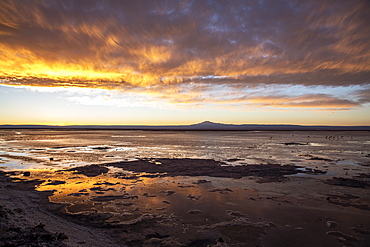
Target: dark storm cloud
{"points": [[117, 44]]}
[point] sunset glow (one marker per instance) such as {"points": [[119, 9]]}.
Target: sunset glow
{"points": [[181, 62]]}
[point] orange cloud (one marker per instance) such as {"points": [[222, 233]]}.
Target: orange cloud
{"points": [[136, 47]]}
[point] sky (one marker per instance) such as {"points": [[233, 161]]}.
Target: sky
{"points": [[183, 62]]}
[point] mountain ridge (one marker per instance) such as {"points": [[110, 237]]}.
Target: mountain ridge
{"points": [[205, 125]]}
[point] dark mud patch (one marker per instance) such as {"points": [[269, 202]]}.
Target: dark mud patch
{"points": [[148, 230], [168, 192], [361, 230], [238, 232], [347, 200], [97, 220], [320, 158], [27, 185], [201, 181], [295, 144], [364, 164], [56, 182], [312, 157], [195, 211], [100, 148], [168, 230], [106, 198], [271, 179], [211, 168], [363, 176], [101, 189], [12, 235], [90, 171], [105, 183], [349, 240], [221, 191], [35, 236], [79, 194], [347, 182], [6, 180], [234, 160]]}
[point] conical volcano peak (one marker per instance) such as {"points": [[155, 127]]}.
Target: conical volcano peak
{"points": [[207, 123]]}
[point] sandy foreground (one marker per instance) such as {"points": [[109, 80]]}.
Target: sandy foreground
{"points": [[186, 202]]}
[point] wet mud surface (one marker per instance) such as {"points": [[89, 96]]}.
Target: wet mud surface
{"points": [[349, 182], [273, 190], [163, 202]]}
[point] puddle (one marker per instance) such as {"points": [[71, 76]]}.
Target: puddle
{"points": [[14, 165], [347, 162], [14, 153], [129, 196], [317, 144]]}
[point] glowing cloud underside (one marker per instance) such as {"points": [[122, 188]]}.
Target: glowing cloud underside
{"points": [[193, 53]]}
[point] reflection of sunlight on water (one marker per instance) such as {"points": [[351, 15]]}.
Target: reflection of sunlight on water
{"points": [[123, 149], [128, 136], [317, 144], [12, 164], [14, 153], [120, 197], [347, 162], [16, 165], [127, 195], [78, 148]]}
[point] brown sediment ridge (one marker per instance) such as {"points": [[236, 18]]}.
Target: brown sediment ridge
{"points": [[200, 167]]}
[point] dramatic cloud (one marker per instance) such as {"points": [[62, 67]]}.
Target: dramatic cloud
{"points": [[186, 51]]}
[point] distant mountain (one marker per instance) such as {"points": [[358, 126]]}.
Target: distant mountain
{"points": [[210, 125], [206, 125]]}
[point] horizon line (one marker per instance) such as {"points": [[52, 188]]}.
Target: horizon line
{"points": [[205, 125]]}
